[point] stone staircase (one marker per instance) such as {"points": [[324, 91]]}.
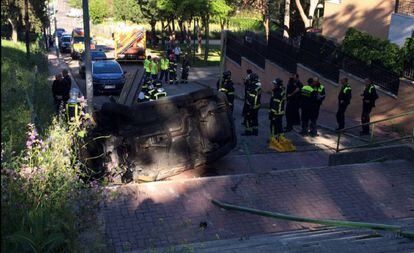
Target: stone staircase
{"points": [[321, 240]]}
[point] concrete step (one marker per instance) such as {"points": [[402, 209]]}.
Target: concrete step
{"points": [[322, 240]]}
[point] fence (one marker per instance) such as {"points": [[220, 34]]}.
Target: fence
{"points": [[283, 52], [322, 56], [379, 75], [409, 73], [234, 48]]}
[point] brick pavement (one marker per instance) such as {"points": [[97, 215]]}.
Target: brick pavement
{"points": [[143, 216]]}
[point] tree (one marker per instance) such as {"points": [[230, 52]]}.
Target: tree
{"points": [[307, 20], [98, 11], [150, 12], [127, 10], [221, 11]]}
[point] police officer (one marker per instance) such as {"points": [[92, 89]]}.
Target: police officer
{"points": [[293, 102], [147, 67], [277, 108], [308, 104], [246, 87], [368, 102], [172, 69], [227, 88], [253, 105], [344, 99], [185, 69], [320, 96], [164, 63], [72, 106]]}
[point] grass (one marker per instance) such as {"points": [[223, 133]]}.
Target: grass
{"points": [[198, 61], [23, 92]]}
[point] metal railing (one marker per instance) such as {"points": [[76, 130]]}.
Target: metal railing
{"points": [[371, 140]]}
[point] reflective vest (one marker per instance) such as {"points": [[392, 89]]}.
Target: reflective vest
{"points": [[159, 95], [147, 65], [164, 63], [154, 68], [346, 88], [254, 96], [307, 91], [72, 112], [278, 104]]}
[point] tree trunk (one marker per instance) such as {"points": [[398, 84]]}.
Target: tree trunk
{"points": [[14, 30], [173, 25], [199, 37], [305, 19], [180, 25], [27, 25], [45, 40], [286, 20], [153, 22], [162, 34], [188, 35], [207, 31], [222, 23], [266, 24]]}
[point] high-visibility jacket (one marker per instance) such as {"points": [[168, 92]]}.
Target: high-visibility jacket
{"points": [[320, 93], [154, 68], [72, 112], [277, 103], [147, 65], [345, 94], [308, 96], [370, 95], [164, 63], [157, 95], [253, 96]]}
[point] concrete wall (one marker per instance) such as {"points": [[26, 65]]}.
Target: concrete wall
{"points": [[267, 75], [372, 16], [402, 27]]}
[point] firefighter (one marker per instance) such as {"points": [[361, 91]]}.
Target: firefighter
{"points": [[308, 104], [253, 105], [320, 96], [172, 69], [72, 106], [157, 83], [246, 86], [368, 102], [147, 67], [344, 99], [148, 95], [159, 93], [293, 102], [164, 64], [185, 69], [227, 88], [67, 81], [277, 108]]}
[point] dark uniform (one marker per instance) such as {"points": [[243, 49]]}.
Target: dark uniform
{"points": [[253, 105], [320, 96], [277, 108], [368, 102], [293, 103], [309, 105], [246, 87], [185, 70], [227, 88], [172, 70], [60, 92], [344, 99]]}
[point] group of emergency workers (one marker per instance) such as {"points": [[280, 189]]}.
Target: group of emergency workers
{"points": [[299, 103]]}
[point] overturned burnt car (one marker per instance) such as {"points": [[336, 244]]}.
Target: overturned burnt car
{"points": [[153, 140]]}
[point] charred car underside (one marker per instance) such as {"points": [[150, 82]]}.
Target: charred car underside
{"points": [[158, 139]]}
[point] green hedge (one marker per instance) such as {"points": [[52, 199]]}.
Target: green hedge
{"points": [[371, 49]]}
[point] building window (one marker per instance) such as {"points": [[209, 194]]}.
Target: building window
{"points": [[404, 7]]}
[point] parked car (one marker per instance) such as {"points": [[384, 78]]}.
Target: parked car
{"points": [[64, 43], [107, 77], [59, 32], [74, 13], [95, 56]]}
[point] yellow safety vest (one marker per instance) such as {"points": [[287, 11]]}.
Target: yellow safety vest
{"points": [[154, 68], [164, 63], [147, 66]]}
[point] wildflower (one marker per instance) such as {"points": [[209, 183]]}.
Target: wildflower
{"points": [[26, 172]]}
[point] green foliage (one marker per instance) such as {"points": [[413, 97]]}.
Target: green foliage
{"points": [[20, 87], [127, 10], [407, 54], [370, 49], [246, 24], [98, 11], [75, 4]]}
